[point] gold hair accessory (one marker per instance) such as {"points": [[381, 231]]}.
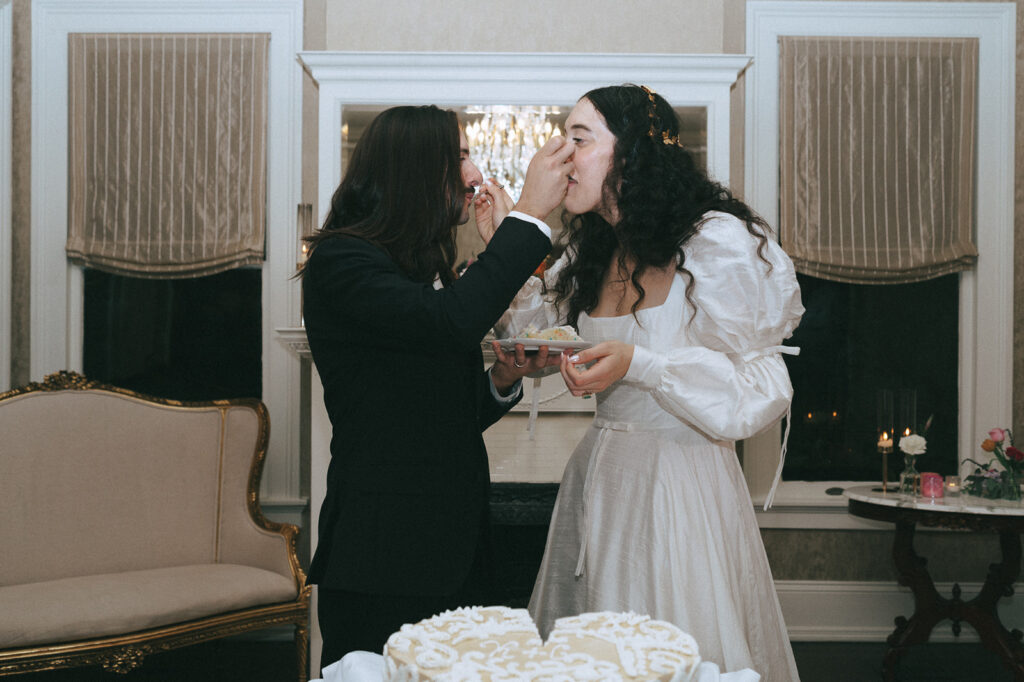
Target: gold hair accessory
{"points": [[656, 121]]}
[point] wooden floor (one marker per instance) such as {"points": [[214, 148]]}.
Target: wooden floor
{"points": [[234, 661]]}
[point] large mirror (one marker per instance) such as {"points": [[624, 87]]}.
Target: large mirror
{"points": [[506, 160]]}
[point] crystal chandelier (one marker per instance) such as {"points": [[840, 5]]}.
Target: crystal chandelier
{"points": [[504, 139]]}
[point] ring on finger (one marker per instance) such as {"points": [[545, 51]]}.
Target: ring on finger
{"points": [[516, 363]]}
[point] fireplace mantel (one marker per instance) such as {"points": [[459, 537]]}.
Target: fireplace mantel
{"points": [[453, 79]]}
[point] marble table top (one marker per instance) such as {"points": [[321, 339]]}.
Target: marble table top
{"points": [[961, 504]]}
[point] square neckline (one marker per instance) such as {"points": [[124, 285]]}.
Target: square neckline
{"points": [[668, 297]]}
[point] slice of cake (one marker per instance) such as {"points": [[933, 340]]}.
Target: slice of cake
{"points": [[498, 643], [562, 333]]}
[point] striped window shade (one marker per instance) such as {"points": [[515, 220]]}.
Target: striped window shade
{"points": [[167, 152], [876, 152]]}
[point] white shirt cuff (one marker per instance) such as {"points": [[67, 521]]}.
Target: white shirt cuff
{"points": [[541, 225], [646, 368], [517, 388]]}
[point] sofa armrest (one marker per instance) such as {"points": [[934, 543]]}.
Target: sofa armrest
{"points": [[245, 535]]}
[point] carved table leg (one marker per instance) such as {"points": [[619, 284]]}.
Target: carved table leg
{"points": [[981, 611], [929, 607]]}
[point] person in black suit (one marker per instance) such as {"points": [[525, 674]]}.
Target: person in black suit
{"points": [[396, 338]]}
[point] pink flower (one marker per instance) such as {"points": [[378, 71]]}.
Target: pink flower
{"points": [[997, 435]]}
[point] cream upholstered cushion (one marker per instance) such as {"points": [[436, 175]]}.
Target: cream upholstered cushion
{"points": [[93, 606]]}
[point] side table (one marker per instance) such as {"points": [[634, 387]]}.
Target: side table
{"points": [[962, 513]]}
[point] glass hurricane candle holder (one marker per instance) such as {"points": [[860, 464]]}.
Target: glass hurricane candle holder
{"points": [[910, 477], [952, 486]]}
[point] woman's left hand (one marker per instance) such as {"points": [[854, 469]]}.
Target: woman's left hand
{"points": [[491, 205], [611, 362], [509, 368]]}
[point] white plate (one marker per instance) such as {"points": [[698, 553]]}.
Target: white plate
{"points": [[509, 345]]}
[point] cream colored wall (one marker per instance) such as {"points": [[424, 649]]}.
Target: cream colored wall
{"points": [[525, 26]]}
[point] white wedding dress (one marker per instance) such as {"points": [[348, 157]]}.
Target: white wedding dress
{"points": [[653, 513]]}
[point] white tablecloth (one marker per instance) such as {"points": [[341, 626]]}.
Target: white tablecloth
{"points": [[363, 666]]}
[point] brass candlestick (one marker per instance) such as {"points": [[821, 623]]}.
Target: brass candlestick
{"points": [[885, 447]]}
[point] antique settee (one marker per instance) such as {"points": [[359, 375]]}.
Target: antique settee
{"points": [[131, 525]]}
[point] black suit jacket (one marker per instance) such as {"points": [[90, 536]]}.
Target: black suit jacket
{"points": [[408, 400]]}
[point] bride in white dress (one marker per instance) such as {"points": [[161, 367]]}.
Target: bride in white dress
{"points": [[688, 303]]}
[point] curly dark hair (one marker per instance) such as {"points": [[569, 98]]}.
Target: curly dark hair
{"points": [[661, 194], [403, 191]]}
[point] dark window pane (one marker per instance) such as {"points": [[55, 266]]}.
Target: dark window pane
{"points": [[857, 339], [186, 339]]}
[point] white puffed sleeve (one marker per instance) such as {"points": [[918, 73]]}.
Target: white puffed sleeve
{"points": [[531, 306], [727, 377]]}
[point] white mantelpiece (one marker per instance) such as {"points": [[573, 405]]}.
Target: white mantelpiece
{"points": [[461, 78]]}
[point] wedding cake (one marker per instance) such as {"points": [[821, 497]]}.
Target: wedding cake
{"points": [[496, 643]]}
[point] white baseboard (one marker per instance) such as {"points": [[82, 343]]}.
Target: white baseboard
{"points": [[832, 611]]}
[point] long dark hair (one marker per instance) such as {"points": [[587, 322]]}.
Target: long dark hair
{"points": [[661, 195], [403, 191]]}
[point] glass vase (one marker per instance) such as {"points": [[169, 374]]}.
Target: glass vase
{"points": [[910, 477], [1011, 491]]}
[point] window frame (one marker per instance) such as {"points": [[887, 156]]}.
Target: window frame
{"points": [[986, 292], [56, 296]]}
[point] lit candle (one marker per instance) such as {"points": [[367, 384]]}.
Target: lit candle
{"points": [[885, 442], [952, 485]]}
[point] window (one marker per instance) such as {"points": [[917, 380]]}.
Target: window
{"points": [[184, 339], [57, 297], [855, 340], [983, 354]]}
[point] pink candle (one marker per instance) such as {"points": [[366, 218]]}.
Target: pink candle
{"points": [[931, 485]]}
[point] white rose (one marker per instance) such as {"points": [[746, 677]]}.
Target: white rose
{"points": [[913, 444]]}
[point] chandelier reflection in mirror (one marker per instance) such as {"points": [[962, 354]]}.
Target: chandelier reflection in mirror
{"points": [[504, 138]]}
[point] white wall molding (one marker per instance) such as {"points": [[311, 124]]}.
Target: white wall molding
{"points": [[6, 230], [837, 612], [986, 293], [57, 287], [834, 611]]}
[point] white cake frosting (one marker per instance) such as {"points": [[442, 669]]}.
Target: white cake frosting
{"points": [[562, 333], [499, 644]]}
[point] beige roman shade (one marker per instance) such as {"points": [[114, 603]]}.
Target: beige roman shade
{"points": [[167, 153], [877, 156]]}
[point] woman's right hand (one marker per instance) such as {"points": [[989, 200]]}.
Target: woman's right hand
{"points": [[547, 178]]}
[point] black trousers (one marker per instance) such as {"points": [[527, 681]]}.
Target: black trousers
{"points": [[354, 621]]}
